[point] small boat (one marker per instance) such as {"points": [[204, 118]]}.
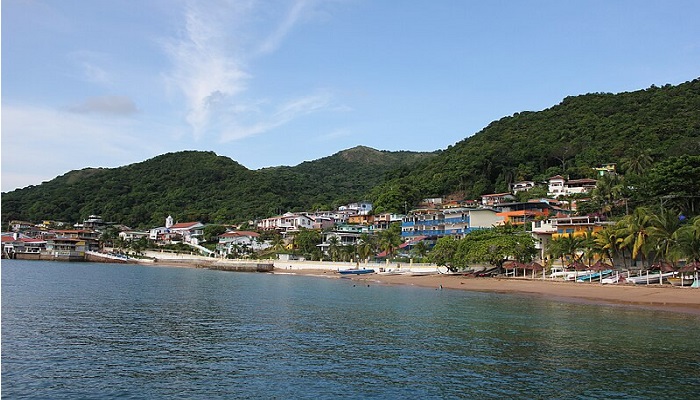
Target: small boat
{"points": [[594, 276], [573, 275], [617, 278], [355, 271], [390, 272], [420, 273], [648, 278], [681, 280]]}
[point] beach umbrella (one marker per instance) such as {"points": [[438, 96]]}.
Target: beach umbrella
{"points": [[663, 266], [600, 266], [509, 265], [535, 266], [693, 266]]}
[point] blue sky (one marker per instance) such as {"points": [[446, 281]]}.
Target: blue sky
{"points": [[98, 83]]}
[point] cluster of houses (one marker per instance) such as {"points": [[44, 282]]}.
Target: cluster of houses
{"points": [[435, 218]]}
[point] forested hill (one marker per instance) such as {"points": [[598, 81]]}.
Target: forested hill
{"points": [[658, 124], [194, 185], [569, 139]]}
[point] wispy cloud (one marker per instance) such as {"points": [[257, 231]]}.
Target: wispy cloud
{"points": [[206, 70], [39, 143], [281, 115], [212, 68], [106, 105], [273, 41], [335, 135], [89, 65]]}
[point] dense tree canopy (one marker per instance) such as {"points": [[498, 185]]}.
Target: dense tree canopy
{"points": [[653, 134]]}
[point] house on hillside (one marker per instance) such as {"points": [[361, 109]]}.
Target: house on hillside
{"points": [[455, 222], [344, 235], [322, 222], [191, 232], [490, 200], [383, 221], [65, 249], [15, 245], [560, 186], [89, 238], [361, 219], [522, 186], [239, 243], [361, 208], [132, 236], [289, 222]]}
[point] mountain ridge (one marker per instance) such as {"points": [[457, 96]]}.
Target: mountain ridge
{"points": [[568, 138]]}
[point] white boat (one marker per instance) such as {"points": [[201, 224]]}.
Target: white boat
{"points": [[573, 275], [617, 278], [681, 280], [558, 272], [648, 278], [391, 272]]}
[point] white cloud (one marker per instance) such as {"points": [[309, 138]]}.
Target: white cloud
{"points": [[211, 68], [107, 105], [282, 115], [205, 69], [335, 135], [39, 144], [90, 66], [273, 41]]}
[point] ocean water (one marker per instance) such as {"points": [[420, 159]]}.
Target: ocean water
{"points": [[88, 331]]}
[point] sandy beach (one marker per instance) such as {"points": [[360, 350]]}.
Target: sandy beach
{"points": [[656, 297]]}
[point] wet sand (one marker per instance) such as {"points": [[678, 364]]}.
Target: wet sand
{"points": [[657, 297]]}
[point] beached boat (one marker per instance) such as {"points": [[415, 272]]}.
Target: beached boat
{"points": [[356, 271], [558, 272], [681, 280], [391, 272], [594, 276], [420, 273], [617, 278], [573, 275], [648, 278]]}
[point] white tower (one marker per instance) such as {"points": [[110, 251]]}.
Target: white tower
{"points": [[168, 222]]}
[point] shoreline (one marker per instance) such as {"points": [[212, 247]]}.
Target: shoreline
{"points": [[656, 297], [653, 297]]}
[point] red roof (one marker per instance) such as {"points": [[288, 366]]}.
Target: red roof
{"points": [[497, 195], [239, 234], [184, 225]]}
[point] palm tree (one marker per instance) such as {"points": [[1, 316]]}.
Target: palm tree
{"points": [[607, 192], [688, 239], [420, 250], [365, 246], [334, 248], [348, 252], [389, 241], [590, 247], [606, 240], [637, 162], [635, 232], [662, 235], [566, 246]]}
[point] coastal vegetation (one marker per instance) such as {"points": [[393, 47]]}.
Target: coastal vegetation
{"points": [[657, 240], [653, 136]]}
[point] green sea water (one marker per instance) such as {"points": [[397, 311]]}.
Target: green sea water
{"points": [[87, 331]]}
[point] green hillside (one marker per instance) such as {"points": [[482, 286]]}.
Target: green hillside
{"points": [[193, 185], [570, 138], [660, 125]]}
